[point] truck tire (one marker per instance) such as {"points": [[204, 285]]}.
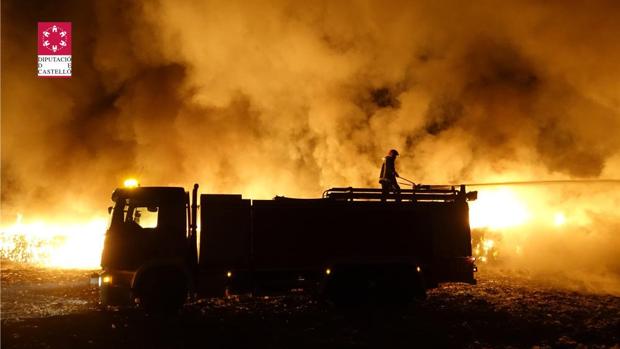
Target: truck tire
{"points": [[162, 291]]}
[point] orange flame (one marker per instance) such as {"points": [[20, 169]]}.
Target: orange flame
{"points": [[57, 245]]}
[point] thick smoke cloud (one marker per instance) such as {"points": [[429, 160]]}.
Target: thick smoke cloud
{"points": [[283, 97]]}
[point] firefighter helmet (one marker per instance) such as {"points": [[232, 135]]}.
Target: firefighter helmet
{"points": [[393, 152]]}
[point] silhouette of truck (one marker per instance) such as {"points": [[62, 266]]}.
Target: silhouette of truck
{"points": [[351, 245]]}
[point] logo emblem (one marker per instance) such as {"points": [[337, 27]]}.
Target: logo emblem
{"points": [[55, 38], [54, 49]]}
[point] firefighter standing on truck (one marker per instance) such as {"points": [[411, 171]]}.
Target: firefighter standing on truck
{"points": [[388, 175]]}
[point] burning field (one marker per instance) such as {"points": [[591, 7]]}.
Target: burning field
{"points": [[54, 309], [565, 234], [548, 278], [541, 284]]}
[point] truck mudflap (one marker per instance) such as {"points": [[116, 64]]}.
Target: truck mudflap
{"points": [[459, 269]]}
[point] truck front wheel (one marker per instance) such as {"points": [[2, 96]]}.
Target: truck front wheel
{"points": [[162, 291]]}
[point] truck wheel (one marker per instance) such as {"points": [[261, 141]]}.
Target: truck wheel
{"points": [[163, 291]]}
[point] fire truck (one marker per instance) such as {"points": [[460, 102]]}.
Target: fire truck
{"points": [[350, 245]]}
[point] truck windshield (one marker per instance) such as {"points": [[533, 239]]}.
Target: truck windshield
{"points": [[145, 217], [137, 213]]}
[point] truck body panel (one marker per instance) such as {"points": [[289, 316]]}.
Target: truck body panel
{"points": [[225, 227], [314, 234]]}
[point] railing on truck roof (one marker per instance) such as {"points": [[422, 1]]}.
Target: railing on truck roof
{"points": [[420, 193]]}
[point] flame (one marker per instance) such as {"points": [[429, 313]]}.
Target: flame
{"points": [[510, 213], [497, 209], [61, 244], [559, 219], [512, 223]]}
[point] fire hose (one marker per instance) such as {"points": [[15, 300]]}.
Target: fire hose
{"points": [[542, 182], [413, 185]]}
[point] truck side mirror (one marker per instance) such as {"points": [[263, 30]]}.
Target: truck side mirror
{"points": [[110, 209]]}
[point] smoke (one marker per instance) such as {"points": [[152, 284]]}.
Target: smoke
{"points": [[281, 97]]}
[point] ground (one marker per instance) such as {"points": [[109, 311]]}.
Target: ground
{"points": [[58, 309]]}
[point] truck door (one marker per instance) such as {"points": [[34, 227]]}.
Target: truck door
{"points": [[141, 231]]}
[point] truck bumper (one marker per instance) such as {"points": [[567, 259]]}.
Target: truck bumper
{"points": [[115, 296], [115, 288]]}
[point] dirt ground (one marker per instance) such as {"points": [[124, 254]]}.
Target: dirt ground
{"points": [[58, 309]]}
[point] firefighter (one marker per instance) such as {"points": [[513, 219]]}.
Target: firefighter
{"points": [[388, 175]]}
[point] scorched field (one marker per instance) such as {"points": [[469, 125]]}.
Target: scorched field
{"points": [[51, 308]]}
